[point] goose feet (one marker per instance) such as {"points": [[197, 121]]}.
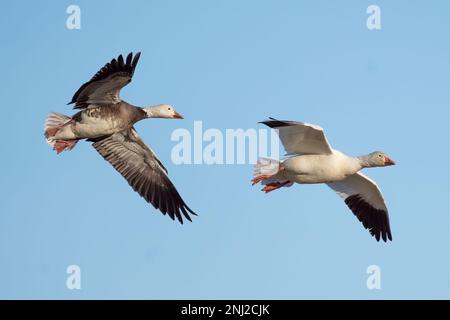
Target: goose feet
{"points": [[273, 186], [61, 145], [258, 179]]}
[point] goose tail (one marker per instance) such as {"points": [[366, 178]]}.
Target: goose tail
{"points": [[268, 172], [53, 124]]}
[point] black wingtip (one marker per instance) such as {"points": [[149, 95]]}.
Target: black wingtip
{"points": [[269, 118], [274, 123], [185, 214], [186, 210], [179, 218], [190, 210], [129, 57], [135, 61], [375, 220]]}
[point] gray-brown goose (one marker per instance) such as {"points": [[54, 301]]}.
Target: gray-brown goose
{"points": [[107, 121]]}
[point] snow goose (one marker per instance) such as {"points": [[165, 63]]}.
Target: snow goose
{"points": [[312, 160], [107, 121]]}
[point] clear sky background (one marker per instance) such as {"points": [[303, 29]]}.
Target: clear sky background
{"points": [[229, 64]]}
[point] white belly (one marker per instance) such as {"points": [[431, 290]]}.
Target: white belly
{"points": [[319, 168]]}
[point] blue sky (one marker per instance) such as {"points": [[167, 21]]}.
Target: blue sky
{"points": [[229, 64]]}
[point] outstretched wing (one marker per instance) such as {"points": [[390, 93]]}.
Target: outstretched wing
{"points": [[300, 137], [145, 173], [105, 85], [364, 198]]}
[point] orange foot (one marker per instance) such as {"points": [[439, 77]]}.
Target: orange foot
{"points": [[274, 186], [61, 145], [258, 179]]}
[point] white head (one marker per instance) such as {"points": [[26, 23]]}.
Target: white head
{"points": [[162, 111], [379, 159]]}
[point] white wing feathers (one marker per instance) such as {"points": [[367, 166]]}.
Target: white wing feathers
{"points": [[300, 137]]}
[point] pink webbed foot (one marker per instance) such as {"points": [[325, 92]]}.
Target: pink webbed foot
{"points": [[258, 179], [61, 145], [274, 186]]}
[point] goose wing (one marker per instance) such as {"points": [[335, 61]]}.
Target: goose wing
{"points": [[105, 85], [145, 173], [300, 137], [364, 198]]}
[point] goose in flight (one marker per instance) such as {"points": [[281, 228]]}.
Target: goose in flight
{"points": [[312, 160], [107, 121]]}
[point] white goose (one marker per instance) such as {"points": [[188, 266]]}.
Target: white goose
{"points": [[107, 121], [312, 160]]}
